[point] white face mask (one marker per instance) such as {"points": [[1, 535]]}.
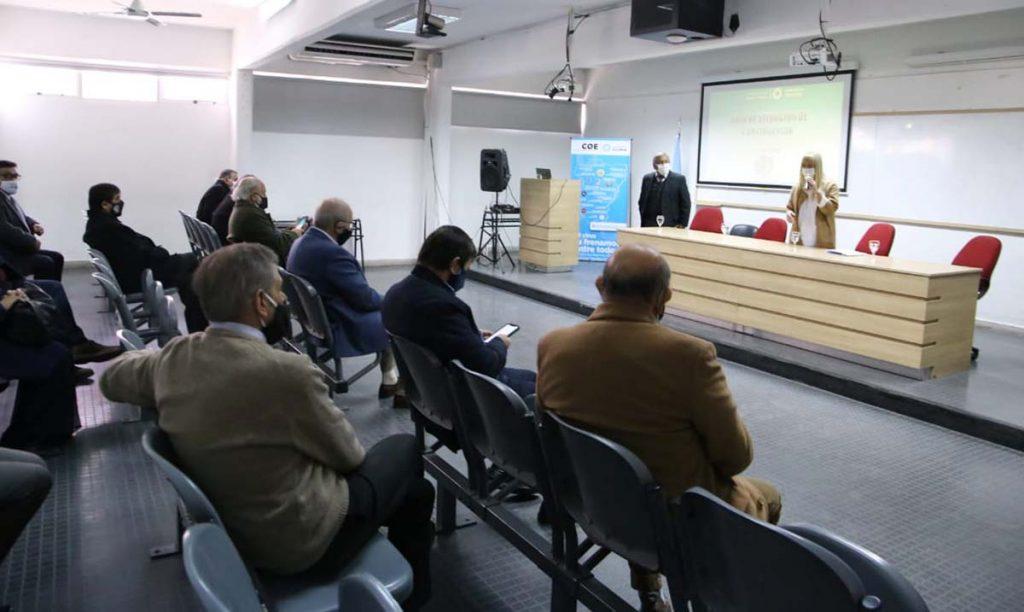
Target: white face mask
{"points": [[662, 169], [9, 187], [807, 172]]}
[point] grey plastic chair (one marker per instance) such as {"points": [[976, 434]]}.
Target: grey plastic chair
{"points": [[364, 593], [216, 571], [222, 582], [120, 305], [747, 231], [190, 232], [160, 309], [209, 241], [741, 563], [317, 334], [621, 507], [298, 593]]}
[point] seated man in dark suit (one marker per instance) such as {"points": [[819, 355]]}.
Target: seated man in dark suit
{"points": [[215, 195], [250, 221], [130, 252], [423, 308], [18, 233], [352, 305]]}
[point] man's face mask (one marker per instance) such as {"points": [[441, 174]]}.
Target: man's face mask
{"points": [[117, 208], [9, 187], [662, 169], [344, 236], [458, 281], [280, 325], [264, 203]]}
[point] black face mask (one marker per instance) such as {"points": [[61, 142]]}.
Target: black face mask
{"points": [[117, 209], [344, 236], [280, 326], [457, 281], [265, 203]]}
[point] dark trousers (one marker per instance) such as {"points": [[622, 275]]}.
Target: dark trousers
{"points": [[25, 482], [388, 489], [523, 382], [46, 265], [46, 407], [69, 333], [177, 272]]}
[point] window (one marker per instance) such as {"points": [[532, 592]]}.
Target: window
{"points": [[26, 79], [132, 86], [193, 89]]}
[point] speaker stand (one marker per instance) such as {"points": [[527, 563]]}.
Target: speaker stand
{"points": [[490, 235]]}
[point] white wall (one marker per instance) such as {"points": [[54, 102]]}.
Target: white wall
{"points": [[955, 163], [526, 152], [314, 140], [163, 155], [379, 177]]}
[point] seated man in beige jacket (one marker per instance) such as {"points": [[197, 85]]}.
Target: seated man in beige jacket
{"points": [[660, 393], [256, 429]]}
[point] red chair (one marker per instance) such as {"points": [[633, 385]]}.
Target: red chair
{"points": [[980, 252], [773, 228], [708, 219], [883, 233]]}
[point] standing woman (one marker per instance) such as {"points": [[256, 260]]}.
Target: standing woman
{"points": [[813, 204]]}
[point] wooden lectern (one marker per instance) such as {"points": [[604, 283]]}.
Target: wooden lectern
{"points": [[550, 232]]}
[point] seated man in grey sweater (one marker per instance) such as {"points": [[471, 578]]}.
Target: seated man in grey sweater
{"points": [[256, 429]]}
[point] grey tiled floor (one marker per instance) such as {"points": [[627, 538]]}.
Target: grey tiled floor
{"points": [[944, 508], [991, 387]]}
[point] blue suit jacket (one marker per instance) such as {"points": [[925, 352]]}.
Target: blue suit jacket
{"points": [[352, 305], [423, 308]]}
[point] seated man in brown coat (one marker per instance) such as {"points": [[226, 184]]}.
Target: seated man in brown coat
{"points": [[256, 429], [658, 392]]}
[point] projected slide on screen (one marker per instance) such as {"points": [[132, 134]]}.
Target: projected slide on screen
{"points": [[754, 132]]}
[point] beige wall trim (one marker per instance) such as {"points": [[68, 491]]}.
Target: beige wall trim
{"points": [[952, 111], [957, 227]]}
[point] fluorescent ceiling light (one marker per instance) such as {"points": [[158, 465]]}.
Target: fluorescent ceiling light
{"points": [[330, 79], [404, 19], [513, 94]]}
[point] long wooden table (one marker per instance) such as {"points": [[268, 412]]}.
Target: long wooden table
{"points": [[916, 317]]}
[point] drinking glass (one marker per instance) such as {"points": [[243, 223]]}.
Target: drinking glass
{"points": [[794, 237], [660, 219], [873, 246]]}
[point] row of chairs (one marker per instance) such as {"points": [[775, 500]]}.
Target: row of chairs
{"points": [[712, 555], [149, 314], [317, 337], [980, 252], [202, 238]]}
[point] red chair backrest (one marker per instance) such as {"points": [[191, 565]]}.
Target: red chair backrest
{"points": [[980, 252], [773, 228], [884, 233], [708, 219]]}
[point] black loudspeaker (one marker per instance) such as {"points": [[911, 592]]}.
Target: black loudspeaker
{"points": [[494, 173], [677, 21]]}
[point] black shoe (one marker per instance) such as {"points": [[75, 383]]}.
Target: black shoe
{"points": [[651, 601], [521, 494], [401, 401], [93, 352], [543, 514], [83, 376]]}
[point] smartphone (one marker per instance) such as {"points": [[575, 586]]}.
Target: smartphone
{"points": [[302, 222], [509, 329]]}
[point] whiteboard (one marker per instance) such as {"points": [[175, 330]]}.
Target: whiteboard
{"points": [[951, 167]]}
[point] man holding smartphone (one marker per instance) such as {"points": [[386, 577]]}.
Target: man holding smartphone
{"points": [[424, 308]]}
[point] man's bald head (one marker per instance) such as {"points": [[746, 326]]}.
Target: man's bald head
{"points": [[333, 216], [636, 273]]}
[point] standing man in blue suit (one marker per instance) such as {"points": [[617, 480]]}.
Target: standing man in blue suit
{"points": [[352, 305]]}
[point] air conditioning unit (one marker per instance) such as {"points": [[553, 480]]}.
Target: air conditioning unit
{"points": [[335, 50]]}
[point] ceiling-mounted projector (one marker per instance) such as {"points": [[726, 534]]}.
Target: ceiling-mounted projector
{"points": [[677, 21]]}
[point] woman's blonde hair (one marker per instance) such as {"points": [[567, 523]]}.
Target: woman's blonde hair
{"points": [[815, 160]]}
